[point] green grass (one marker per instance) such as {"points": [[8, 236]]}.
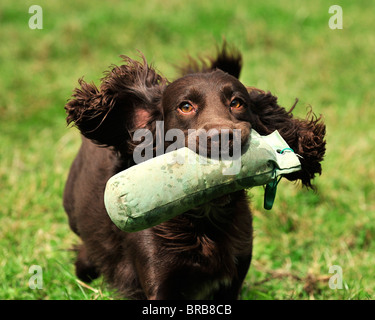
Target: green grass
{"points": [[288, 49]]}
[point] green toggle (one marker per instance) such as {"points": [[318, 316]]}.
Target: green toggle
{"points": [[270, 193]]}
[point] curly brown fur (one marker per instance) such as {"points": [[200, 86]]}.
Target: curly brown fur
{"points": [[129, 98], [305, 137], [227, 59]]}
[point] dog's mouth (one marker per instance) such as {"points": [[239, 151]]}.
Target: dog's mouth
{"points": [[215, 144]]}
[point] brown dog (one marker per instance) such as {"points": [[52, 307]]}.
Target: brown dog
{"points": [[205, 252]]}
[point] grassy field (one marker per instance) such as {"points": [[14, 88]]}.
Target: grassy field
{"points": [[288, 49]]}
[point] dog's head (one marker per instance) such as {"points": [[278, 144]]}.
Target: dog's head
{"points": [[207, 106], [211, 101]]}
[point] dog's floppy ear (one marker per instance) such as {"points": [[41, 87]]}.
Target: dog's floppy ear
{"points": [[227, 59], [128, 99], [304, 136]]}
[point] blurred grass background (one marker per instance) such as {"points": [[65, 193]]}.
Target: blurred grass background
{"points": [[288, 49]]}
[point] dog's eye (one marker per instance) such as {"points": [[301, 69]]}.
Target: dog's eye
{"points": [[186, 107], [236, 103]]}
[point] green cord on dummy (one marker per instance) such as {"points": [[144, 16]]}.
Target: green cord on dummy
{"points": [[161, 188]]}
